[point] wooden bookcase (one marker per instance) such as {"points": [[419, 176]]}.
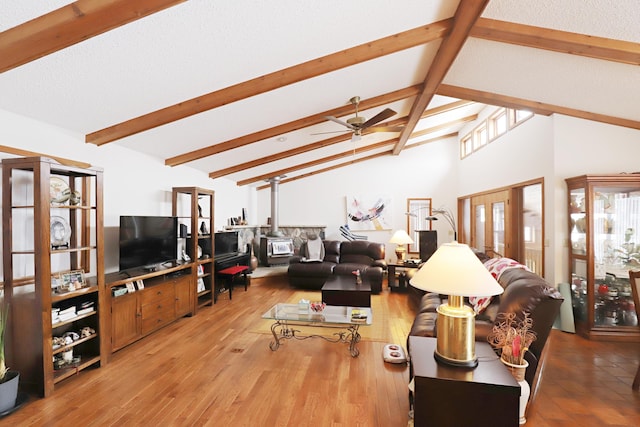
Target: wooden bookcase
{"points": [[194, 208], [52, 219]]}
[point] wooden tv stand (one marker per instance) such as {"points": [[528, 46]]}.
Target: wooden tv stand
{"points": [[168, 294]]}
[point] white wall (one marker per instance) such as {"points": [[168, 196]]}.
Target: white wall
{"points": [[134, 184], [585, 147], [524, 153], [426, 171], [555, 148]]}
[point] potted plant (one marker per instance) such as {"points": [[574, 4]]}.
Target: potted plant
{"points": [[512, 337], [8, 378]]}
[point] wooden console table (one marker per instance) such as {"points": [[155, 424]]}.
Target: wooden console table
{"points": [[452, 396]]}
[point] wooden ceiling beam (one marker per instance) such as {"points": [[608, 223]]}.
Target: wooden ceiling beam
{"points": [[313, 68], [346, 136], [319, 161], [437, 128], [362, 159], [533, 106], [557, 41], [70, 24], [291, 126], [326, 142], [466, 15]]}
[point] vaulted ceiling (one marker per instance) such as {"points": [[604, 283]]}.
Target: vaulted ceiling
{"points": [[242, 90]]}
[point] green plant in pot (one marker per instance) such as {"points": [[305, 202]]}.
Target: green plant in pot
{"points": [[8, 378]]}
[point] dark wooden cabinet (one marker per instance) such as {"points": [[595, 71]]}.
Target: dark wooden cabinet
{"points": [[53, 263], [167, 295], [124, 321], [452, 396]]}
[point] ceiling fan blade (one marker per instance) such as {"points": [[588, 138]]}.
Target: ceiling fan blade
{"points": [[333, 119], [333, 131], [383, 115], [386, 129]]}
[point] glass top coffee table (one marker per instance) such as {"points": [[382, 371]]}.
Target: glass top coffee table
{"points": [[286, 316]]}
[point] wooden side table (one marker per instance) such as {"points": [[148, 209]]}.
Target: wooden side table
{"points": [[391, 275], [450, 396]]}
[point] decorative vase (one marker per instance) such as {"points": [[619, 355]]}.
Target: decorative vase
{"points": [[9, 391], [254, 260], [518, 372]]}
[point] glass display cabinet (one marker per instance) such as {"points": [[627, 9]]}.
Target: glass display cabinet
{"points": [[604, 240]]}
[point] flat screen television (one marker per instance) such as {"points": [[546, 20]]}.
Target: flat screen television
{"points": [[147, 241], [225, 242]]}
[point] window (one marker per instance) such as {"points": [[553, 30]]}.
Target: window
{"points": [[519, 116], [465, 146], [498, 123], [480, 136]]}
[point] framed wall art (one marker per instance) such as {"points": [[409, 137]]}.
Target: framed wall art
{"points": [[368, 212]]}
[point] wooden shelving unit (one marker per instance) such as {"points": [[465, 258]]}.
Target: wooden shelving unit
{"points": [[194, 208], [44, 238]]}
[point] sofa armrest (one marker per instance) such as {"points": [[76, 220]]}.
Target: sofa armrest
{"points": [[380, 263], [295, 259]]}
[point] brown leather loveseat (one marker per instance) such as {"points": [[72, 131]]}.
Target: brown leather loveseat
{"points": [[341, 257]]}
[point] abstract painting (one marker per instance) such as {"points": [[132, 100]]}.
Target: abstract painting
{"points": [[368, 212]]}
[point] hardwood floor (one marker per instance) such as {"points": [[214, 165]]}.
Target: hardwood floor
{"points": [[215, 369]]}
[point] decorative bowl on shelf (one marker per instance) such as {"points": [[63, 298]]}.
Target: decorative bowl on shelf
{"points": [[317, 307]]}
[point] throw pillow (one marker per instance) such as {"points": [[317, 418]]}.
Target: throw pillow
{"points": [[496, 267], [480, 304]]}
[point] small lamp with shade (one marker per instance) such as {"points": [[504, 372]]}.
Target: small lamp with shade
{"points": [[401, 238]]}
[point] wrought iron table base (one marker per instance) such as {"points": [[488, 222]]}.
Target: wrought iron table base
{"points": [[348, 334]]}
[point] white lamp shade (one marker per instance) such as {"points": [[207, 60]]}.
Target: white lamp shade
{"points": [[401, 237], [455, 270]]}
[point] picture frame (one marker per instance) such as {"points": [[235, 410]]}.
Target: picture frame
{"points": [[418, 209], [71, 280]]}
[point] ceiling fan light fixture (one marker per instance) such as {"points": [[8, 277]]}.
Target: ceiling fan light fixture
{"points": [[356, 121]]}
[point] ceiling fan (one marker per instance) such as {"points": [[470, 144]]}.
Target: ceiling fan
{"points": [[357, 124]]}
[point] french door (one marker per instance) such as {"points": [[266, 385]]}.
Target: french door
{"points": [[490, 225], [506, 222]]}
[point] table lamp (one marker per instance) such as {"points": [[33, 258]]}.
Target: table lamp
{"points": [[401, 238], [454, 270]]}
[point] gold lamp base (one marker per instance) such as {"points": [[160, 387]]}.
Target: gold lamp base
{"points": [[456, 334], [401, 252]]}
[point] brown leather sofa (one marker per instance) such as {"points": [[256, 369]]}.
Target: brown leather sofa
{"points": [[341, 257], [524, 291]]}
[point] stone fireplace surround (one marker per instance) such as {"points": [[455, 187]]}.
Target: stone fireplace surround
{"points": [[252, 233]]}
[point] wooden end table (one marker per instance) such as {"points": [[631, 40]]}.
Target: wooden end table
{"points": [[451, 396], [391, 275]]}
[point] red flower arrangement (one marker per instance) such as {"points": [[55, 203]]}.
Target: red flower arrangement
{"points": [[512, 336]]}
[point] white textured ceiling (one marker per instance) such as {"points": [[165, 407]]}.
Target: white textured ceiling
{"points": [[201, 46]]}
